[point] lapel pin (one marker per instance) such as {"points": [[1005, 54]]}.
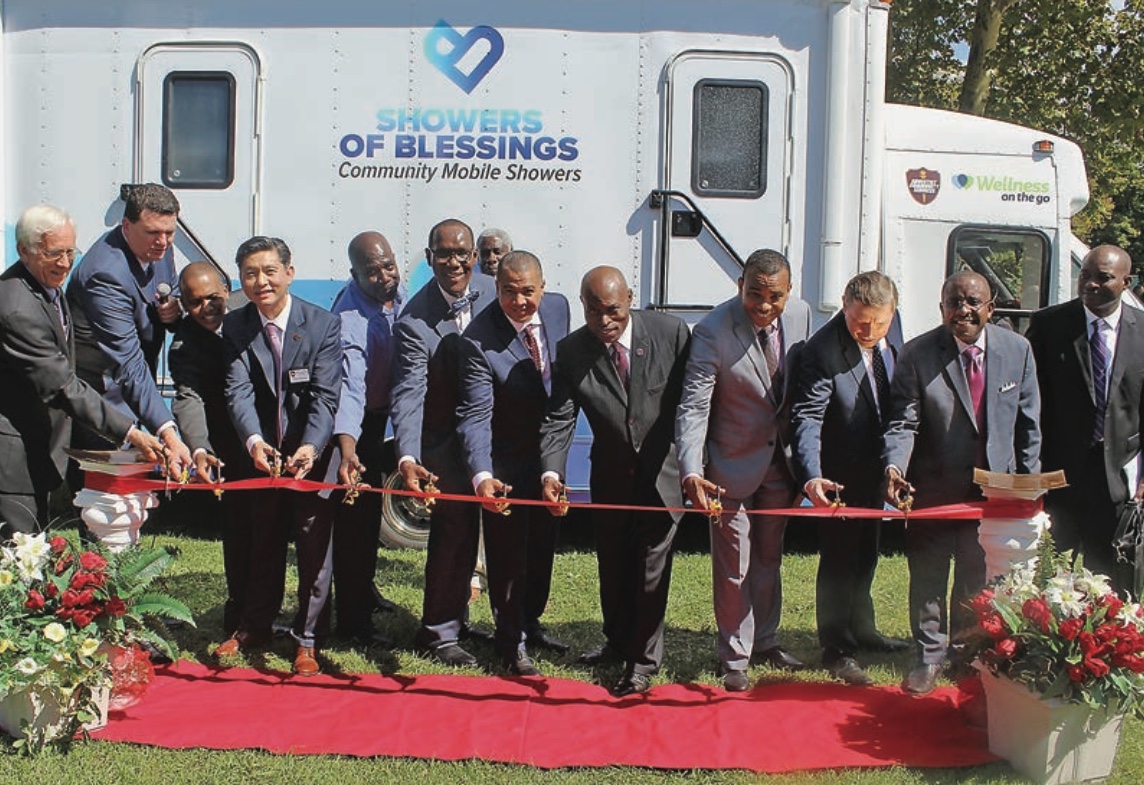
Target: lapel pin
{"points": [[639, 352]]}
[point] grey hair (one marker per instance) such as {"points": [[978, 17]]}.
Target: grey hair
{"points": [[37, 221], [499, 234]]}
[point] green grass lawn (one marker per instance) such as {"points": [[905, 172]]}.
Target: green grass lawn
{"points": [[573, 615]]}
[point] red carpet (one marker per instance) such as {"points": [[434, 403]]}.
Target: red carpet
{"points": [[551, 722]]}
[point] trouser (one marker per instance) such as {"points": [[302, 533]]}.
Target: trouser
{"points": [[930, 546], [519, 552], [844, 610]]}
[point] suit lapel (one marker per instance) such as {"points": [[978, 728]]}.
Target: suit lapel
{"points": [[260, 347], [1080, 346], [748, 336], [295, 333], [1126, 333], [509, 337], [852, 354]]}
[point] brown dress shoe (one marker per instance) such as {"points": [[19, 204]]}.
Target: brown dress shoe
{"points": [[922, 679], [305, 663], [228, 648]]}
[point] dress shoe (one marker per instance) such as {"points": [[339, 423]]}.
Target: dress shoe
{"points": [[735, 681], [848, 671], [601, 655], [778, 657], [540, 638], [520, 664], [922, 679], [476, 634], [884, 645], [238, 643], [452, 655], [367, 637], [383, 604], [631, 683], [306, 662]]}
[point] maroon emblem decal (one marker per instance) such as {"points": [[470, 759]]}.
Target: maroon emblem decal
{"points": [[923, 184]]}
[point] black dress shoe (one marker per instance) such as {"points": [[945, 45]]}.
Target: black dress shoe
{"points": [[537, 636], [157, 657], [848, 671], [883, 645], [631, 683], [922, 679], [452, 655], [520, 664], [366, 637], [778, 657], [601, 655], [382, 604], [475, 634], [735, 681]]}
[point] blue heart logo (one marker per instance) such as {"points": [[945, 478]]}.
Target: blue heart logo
{"points": [[456, 46], [961, 180]]}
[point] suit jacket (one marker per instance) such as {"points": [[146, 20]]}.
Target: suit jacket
{"points": [[40, 391], [730, 405], [423, 403], [932, 434], [1068, 403], [311, 352], [117, 329], [836, 422], [502, 395], [198, 364], [633, 448]]}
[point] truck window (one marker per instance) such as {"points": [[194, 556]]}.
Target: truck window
{"points": [[728, 155], [198, 130], [1014, 261]]}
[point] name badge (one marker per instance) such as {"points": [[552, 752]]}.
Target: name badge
{"points": [[299, 375]]}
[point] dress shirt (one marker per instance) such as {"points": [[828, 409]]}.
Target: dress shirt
{"points": [[1113, 321], [464, 316], [367, 340], [883, 347], [280, 321]]}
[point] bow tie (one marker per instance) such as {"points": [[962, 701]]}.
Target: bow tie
{"points": [[462, 302]]}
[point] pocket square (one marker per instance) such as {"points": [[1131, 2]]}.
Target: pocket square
{"points": [[1007, 387]]}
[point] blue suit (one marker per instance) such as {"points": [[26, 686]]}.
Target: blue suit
{"points": [[502, 403], [423, 405], [117, 329], [311, 382]]}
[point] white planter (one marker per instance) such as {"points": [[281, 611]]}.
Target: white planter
{"points": [[114, 518], [42, 710], [1049, 741], [1009, 542]]}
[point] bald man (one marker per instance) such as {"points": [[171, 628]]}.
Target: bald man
{"points": [[1090, 367], [369, 304]]}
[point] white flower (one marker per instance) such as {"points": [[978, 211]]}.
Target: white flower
{"points": [[88, 647], [55, 632], [1068, 602], [27, 666], [6, 577], [33, 547]]}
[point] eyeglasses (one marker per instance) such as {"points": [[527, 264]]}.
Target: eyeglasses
{"points": [[443, 254], [56, 256], [973, 303]]}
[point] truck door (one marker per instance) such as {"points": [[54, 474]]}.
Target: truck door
{"points": [[726, 171], [198, 134]]}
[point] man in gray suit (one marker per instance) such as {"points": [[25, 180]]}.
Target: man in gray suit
{"points": [[964, 395], [733, 409]]}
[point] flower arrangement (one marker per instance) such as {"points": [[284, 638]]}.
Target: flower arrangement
{"points": [[61, 606], [1063, 633]]}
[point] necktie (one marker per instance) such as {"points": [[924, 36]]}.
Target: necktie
{"points": [[1099, 352], [620, 362], [274, 338], [54, 299], [531, 344], [975, 376], [881, 384]]}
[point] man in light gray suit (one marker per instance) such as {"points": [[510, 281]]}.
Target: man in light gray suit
{"points": [[964, 395], [734, 409]]}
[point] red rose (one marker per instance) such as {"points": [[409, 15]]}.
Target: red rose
{"points": [[79, 581], [92, 561], [992, 624], [1070, 628], [1096, 666], [65, 613], [86, 597], [1077, 673], [1007, 649], [35, 600], [83, 617], [63, 563], [58, 544], [1037, 611], [1132, 662], [70, 598], [983, 602], [51, 590], [115, 607]]}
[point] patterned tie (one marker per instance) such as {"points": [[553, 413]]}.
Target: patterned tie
{"points": [[461, 308], [1099, 351], [274, 338], [529, 338], [54, 299], [620, 363], [882, 384]]}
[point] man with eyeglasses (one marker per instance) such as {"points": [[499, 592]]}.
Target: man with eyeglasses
{"points": [[121, 298], [41, 394], [423, 406], [964, 395], [1090, 364]]}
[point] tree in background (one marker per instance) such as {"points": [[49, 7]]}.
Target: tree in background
{"points": [[1074, 69]]}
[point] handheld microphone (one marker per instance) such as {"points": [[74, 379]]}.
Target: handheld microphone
{"points": [[164, 292]]}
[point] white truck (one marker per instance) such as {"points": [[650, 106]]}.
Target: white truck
{"points": [[669, 138]]}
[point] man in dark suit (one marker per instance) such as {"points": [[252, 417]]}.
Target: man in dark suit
{"points": [[1092, 400], [120, 296], [964, 395], [282, 386], [731, 435], [505, 371], [198, 365], [368, 306], [40, 394], [839, 415], [423, 407], [624, 370]]}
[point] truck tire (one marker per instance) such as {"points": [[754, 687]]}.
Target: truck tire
{"points": [[404, 520]]}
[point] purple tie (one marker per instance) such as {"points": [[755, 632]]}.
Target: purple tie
{"points": [[533, 347], [274, 338], [1099, 351], [620, 362], [975, 376]]}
